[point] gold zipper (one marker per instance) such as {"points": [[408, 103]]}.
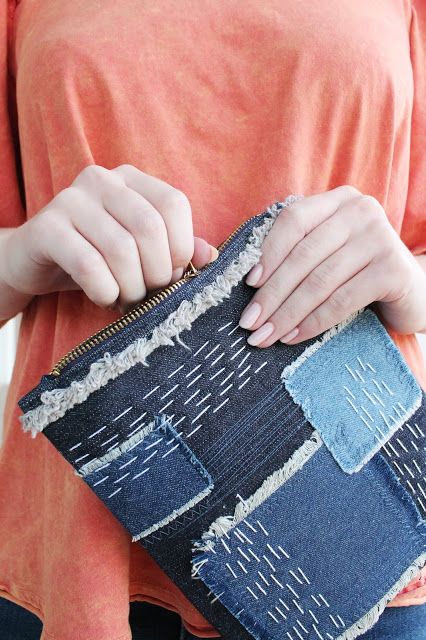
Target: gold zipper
{"points": [[112, 328]]}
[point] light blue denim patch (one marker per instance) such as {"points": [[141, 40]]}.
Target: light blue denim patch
{"points": [[356, 389], [318, 555], [152, 483]]}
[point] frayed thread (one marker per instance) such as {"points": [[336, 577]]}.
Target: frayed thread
{"points": [[137, 438], [371, 617], [196, 567], [56, 402], [272, 483]]}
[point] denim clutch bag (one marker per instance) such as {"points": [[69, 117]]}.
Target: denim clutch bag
{"points": [[282, 489]]}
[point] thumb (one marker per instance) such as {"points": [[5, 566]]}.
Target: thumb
{"points": [[203, 253]]}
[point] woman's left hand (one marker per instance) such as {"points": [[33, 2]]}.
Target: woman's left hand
{"points": [[326, 256]]}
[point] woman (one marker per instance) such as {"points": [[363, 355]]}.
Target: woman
{"points": [[136, 136]]}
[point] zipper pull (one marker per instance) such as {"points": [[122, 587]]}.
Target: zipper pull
{"points": [[191, 271]]}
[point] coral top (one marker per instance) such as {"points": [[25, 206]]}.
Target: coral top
{"points": [[235, 103]]}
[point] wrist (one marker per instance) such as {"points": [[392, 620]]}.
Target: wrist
{"points": [[408, 313]]}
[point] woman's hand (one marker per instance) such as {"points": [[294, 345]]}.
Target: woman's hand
{"points": [[115, 234], [325, 257]]}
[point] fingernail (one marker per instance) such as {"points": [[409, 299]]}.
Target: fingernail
{"points": [[261, 334], [213, 253], [290, 335], [254, 275], [250, 315]]}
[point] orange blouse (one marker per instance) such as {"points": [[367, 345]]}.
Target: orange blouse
{"points": [[235, 103]]}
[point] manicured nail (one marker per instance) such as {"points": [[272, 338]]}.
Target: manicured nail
{"points": [[250, 315], [261, 334], [254, 275], [213, 253], [290, 335]]}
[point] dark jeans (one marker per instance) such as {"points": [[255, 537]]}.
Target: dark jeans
{"points": [[149, 622]]}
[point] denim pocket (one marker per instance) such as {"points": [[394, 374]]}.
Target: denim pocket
{"points": [[150, 479]]}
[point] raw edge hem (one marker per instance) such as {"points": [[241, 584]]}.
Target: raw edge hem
{"points": [[368, 620]]}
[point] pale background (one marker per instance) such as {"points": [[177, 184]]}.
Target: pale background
{"points": [[8, 336]]}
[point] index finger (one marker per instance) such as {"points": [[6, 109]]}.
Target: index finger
{"points": [[173, 206], [292, 225]]}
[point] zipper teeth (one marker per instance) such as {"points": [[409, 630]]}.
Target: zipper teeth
{"points": [[112, 328]]}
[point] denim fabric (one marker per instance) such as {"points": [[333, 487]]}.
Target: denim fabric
{"points": [[151, 481], [399, 623], [147, 622], [227, 403], [151, 622], [76, 369], [17, 623], [371, 386], [271, 578]]}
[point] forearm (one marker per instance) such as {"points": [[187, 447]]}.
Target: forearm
{"points": [[11, 300]]}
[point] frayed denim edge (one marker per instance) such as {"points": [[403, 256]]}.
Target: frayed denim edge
{"points": [[162, 422], [371, 617], [166, 425], [223, 524], [93, 465], [57, 402], [356, 629]]}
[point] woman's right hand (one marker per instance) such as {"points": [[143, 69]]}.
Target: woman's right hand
{"points": [[114, 233]]}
